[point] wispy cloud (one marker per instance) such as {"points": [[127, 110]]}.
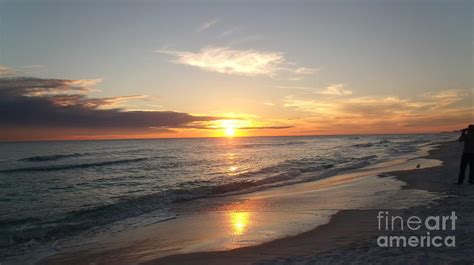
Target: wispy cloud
{"points": [[95, 103], [330, 90], [236, 62], [304, 70], [228, 61], [335, 90], [379, 106], [30, 86], [305, 88], [207, 25], [429, 112], [230, 31], [6, 71], [267, 127]]}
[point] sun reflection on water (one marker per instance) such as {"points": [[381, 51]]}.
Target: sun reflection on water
{"points": [[239, 222]]}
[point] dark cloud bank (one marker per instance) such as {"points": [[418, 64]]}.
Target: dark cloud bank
{"points": [[55, 103]]}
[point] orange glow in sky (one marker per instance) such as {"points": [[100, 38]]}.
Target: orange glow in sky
{"points": [[221, 75]]}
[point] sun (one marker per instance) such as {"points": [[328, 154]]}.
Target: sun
{"points": [[230, 131], [229, 127]]}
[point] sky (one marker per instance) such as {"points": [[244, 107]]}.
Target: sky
{"points": [[146, 69]]}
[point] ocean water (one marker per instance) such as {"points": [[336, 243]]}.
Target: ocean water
{"points": [[52, 190]]}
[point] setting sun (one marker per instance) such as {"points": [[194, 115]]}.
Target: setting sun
{"points": [[229, 127], [230, 132]]}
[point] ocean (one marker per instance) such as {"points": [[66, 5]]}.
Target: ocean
{"points": [[53, 190]]}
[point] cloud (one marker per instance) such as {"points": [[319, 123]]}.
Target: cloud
{"points": [[206, 25], [266, 127], [230, 31], [304, 88], [54, 103], [331, 90], [5, 71], [236, 62], [228, 61], [30, 86], [441, 110], [98, 103], [379, 106], [304, 70], [335, 90]]}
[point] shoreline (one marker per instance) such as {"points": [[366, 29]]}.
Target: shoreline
{"points": [[305, 211], [350, 235]]}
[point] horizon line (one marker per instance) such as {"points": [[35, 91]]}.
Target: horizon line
{"points": [[221, 137]]}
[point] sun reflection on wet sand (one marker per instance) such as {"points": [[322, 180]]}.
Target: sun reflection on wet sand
{"points": [[239, 221]]}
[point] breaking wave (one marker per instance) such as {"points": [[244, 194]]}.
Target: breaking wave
{"points": [[73, 166]]}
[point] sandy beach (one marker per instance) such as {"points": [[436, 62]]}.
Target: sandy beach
{"points": [[236, 132], [333, 220]]}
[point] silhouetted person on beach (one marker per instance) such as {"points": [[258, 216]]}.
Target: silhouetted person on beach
{"points": [[467, 136]]}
